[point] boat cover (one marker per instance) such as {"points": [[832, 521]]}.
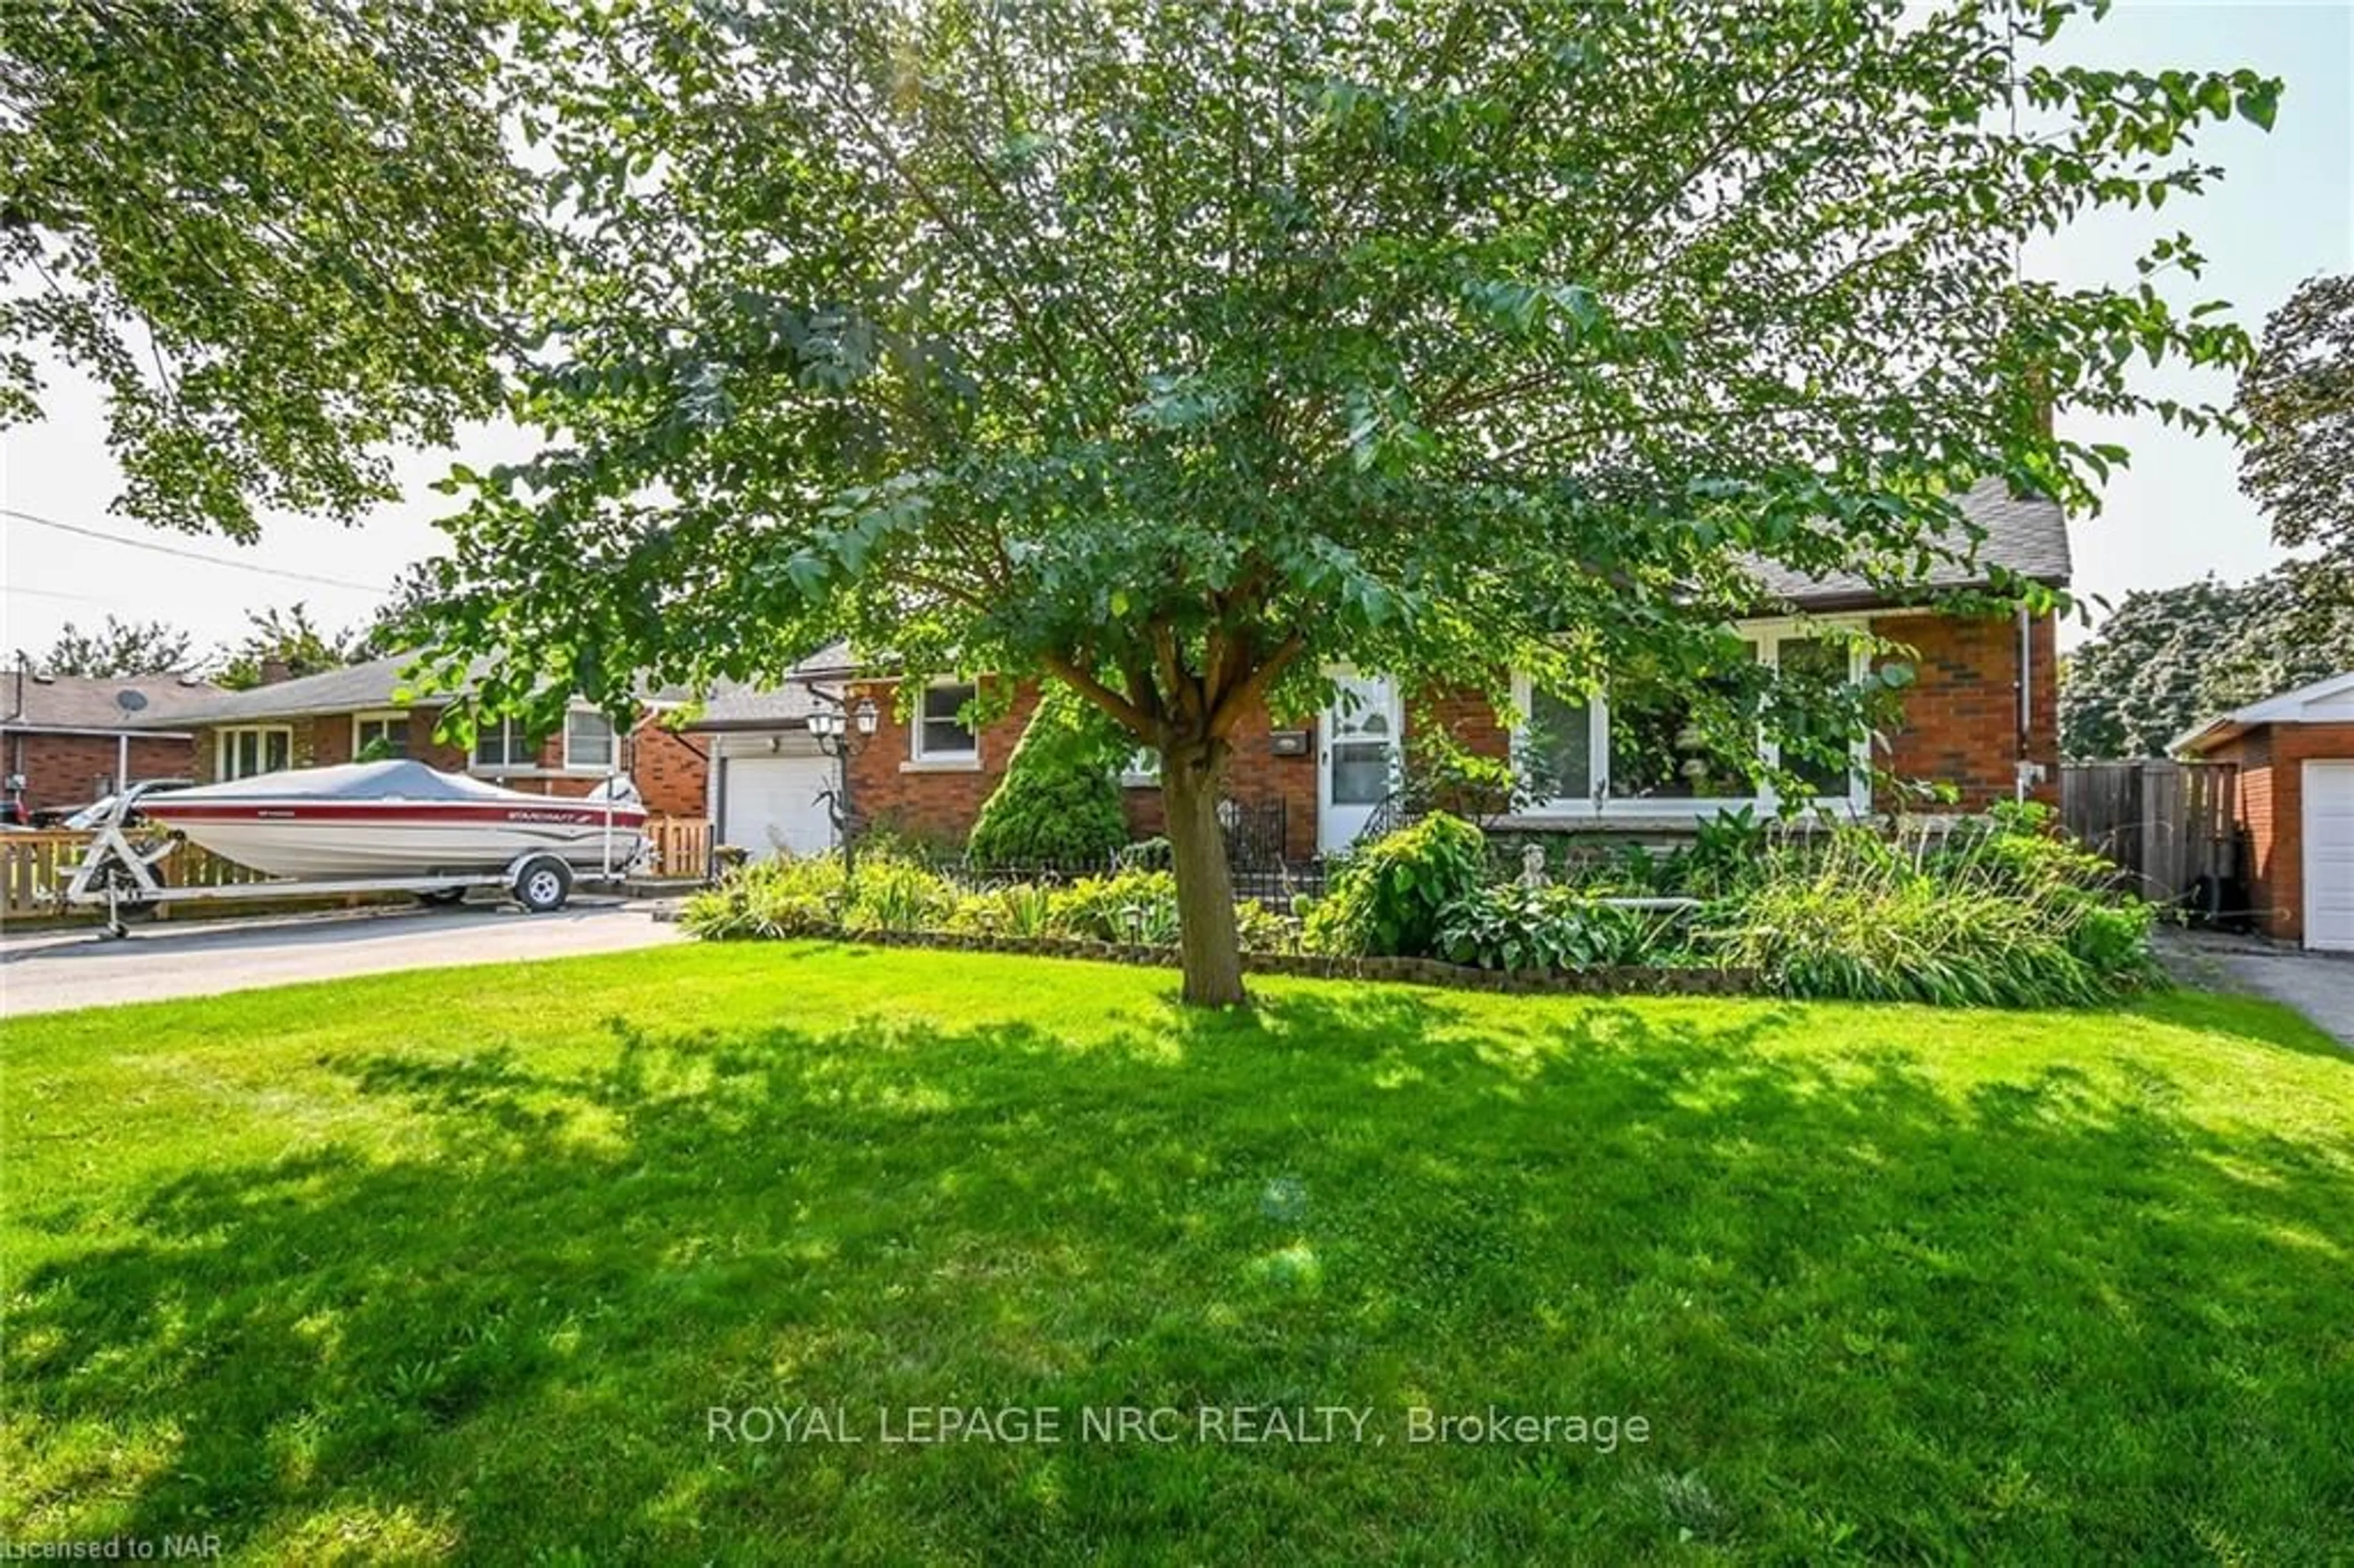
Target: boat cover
{"points": [[401, 779]]}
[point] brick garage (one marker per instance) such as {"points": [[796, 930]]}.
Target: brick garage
{"points": [[2275, 744]]}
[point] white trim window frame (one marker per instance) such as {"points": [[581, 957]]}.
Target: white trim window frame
{"points": [[1766, 638], [516, 750], [610, 762], [228, 763], [392, 724], [921, 751]]}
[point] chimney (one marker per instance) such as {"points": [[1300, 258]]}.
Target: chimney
{"points": [[275, 669]]}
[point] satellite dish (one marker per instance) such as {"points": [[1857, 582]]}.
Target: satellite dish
{"points": [[129, 701]]}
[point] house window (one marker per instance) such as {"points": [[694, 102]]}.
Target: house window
{"points": [[1558, 755], [1817, 662], [1659, 751], [1637, 749], [940, 733], [588, 741], [377, 738], [501, 743], [254, 749], [1143, 768]]}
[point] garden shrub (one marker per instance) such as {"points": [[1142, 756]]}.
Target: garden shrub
{"points": [[1856, 918], [1262, 930], [1025, 910], [891, 893], [1387, 900], [1059, 802], [1115, 908], [1516, 927], [784, 897]]}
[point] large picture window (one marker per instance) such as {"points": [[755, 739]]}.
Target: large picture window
{"points": [[249, 750], [1639, 749], [501, 743]]}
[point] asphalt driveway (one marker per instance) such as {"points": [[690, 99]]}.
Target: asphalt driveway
{"points": [[51, 970], [2319, 985]]}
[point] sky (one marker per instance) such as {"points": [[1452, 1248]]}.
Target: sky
{"points": [[2283, 212]]}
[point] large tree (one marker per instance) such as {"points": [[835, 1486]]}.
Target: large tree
{"points": [[2172, 658], [275, 233], [2297, 398], [117, 648], [1180, 353]]}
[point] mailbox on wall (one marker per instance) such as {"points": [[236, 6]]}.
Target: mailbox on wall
{"points": [[1291, 743]]}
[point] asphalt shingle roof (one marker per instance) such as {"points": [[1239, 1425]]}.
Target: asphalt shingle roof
{"points": [[161, 701], [348, 690], [2027, 534]]}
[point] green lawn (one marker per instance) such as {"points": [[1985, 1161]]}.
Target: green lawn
{"points": [[455, 1266]]}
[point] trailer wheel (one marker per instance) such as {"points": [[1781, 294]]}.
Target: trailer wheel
{"points": [[543, 884], [442, 897]]}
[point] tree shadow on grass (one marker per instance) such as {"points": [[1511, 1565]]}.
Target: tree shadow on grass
{"points": [[1863, 1314]]}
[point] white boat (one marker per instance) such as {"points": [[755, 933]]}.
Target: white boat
{"points": [[398, 819]]}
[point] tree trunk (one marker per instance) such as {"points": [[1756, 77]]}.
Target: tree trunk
{"points": [[1208, 944]]}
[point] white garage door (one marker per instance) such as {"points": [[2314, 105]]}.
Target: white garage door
{"points": [[768, 803], [2329, 855]]}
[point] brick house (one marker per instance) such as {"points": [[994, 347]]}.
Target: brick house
{"points": [[1981, 720], [362, 712], [66, 741], [2295, 757]]}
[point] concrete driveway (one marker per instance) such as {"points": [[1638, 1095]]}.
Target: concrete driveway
{"points": [[2319, 985], [52, 970]]}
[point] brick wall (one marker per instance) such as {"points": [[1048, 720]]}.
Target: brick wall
{"points": [[1961, 721], [673, 771], [74, 770], [1959, 726], [2272, 809], [1255, 777], [935, 802]]}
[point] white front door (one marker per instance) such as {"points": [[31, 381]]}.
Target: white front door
{"points": [[2330, 856], [1359, 743]]}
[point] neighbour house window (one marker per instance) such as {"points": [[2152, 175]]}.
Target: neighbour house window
{"points": [[254, 749], [940, 733], [588, 741], [501, 743], [377, 738], [1143, 767], [1638, 747]]}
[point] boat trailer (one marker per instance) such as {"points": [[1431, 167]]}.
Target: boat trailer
{"points": [[121, 874]]}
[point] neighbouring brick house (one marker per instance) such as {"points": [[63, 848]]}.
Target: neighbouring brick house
{"points": [[1980, 720], [362, 711], [66, 741], [2295, 758]]}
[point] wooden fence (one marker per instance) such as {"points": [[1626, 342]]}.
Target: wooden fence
{"points": [[34, 868], [2174, 826], [681, 847]]}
